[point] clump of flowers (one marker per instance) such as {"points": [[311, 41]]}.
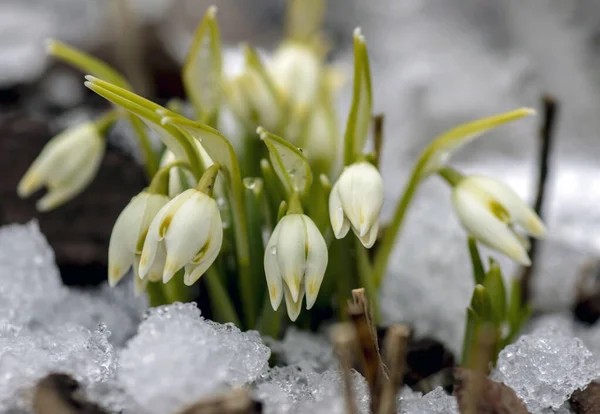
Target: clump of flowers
{"points": [[262, 223]]}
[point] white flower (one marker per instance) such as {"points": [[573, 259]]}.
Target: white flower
{"points": [[295, 69], [355, 201], [129, 233], [189, 228], [488, 209], [66, 165], [295, 262]]}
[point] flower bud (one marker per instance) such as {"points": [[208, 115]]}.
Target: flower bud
{"points": [[488, 209], [295, 262], [189, 228], [355, 201], [129, 233], [66, 165]]}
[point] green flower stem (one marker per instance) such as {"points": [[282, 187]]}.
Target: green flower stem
{"points": [[160, 181], [96, 67], [342, 271], [451, 175], [254, 193], [273, 189], [176, 291], [294, 204], [221, 304], [207, 182], [365, 273], [150, 159], [106, 121], [387, 243], [270, 321], [478, 269], [156, 294]]}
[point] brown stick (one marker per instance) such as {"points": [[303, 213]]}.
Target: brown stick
{"points": [[59, 394], [343, 337], [394, 351], [367, 341], [546, 135], [237, 401]]}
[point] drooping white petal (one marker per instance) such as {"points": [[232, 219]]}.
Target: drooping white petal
{"points": [[274, 280], [339, 223], [520, 212], [293, 306], [188, 232], [368, 240], [295, 70], [291, 252], [154, 203], [210, 251], [123, 239], [361, 193], [316, 261], [158, 227], [66, 181], [473, 210], [59, 151], [155, 272]]}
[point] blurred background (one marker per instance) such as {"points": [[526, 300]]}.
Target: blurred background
{"points": [[435, 64]]}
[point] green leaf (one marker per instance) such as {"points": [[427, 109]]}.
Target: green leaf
{"points": [[478, 270], [149, 112], [515, 308], [441, 148], [494, 283], [359, 118], [481, 302], [289, 163], [304, 19], [203, 67], [86, 63], [472, 323]]}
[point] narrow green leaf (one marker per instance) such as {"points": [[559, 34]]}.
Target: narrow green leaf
{"points": [[513, 312], [359, 118], [147, 111], [255, 210], [481, 302], [304, 19], [441, 148], [221, 303], [202, 68], [86, 63], [469, 345], [289, 163], [494, 283], [478, 270]]}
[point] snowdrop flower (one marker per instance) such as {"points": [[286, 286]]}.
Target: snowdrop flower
{"points": [[66, 165], [355, 201], [296, 69], [295, 262], [128, 235], [488, 209], [190, 230]]}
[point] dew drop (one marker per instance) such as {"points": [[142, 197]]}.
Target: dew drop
{"points": [[273, 250]]}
